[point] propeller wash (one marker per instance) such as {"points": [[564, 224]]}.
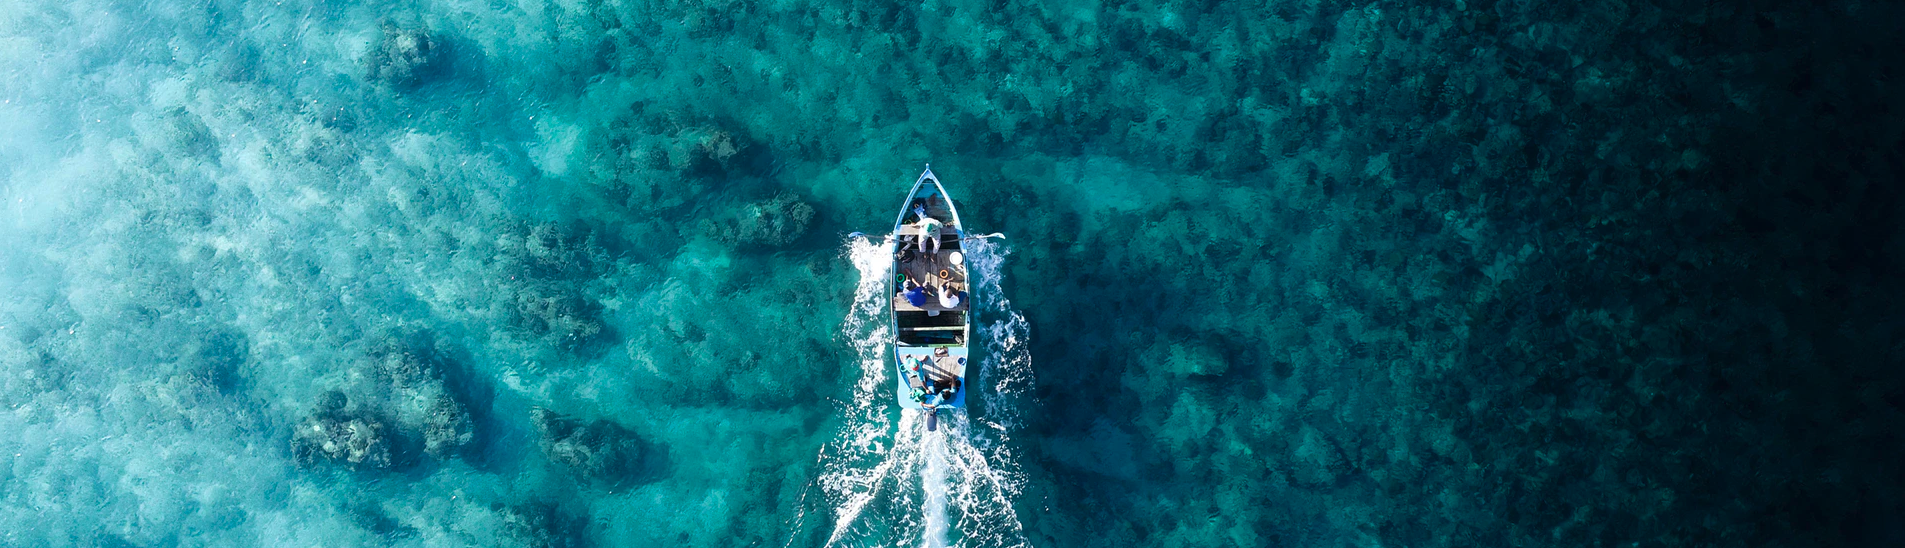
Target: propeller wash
{"points": [[890, 480]]}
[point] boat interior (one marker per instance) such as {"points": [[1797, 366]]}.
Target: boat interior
{"points": [[930, 324], [917, 328], [942, 366], [930, 344], [933, 202]]}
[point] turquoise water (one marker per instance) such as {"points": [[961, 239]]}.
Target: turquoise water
{"points": [[519, 273]]}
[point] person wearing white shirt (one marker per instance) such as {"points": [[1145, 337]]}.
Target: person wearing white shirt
{"points": [[950, 298]]}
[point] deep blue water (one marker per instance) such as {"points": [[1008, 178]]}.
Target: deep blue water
{"points": [[521, 273]]}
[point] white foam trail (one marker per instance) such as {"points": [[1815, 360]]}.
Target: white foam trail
{"points": [[896, 484], [1006, 367], [845, 477], [932, 480]]}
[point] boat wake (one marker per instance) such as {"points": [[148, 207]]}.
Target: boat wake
{"points": [[888, 481]]}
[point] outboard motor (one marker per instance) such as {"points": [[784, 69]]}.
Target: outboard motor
{"points": [[932, 420]]}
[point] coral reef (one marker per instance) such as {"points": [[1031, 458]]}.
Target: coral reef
{"points": [[413, 378], [550, 311], [538, 526], [598, 450], [773, 222], [400, 405], [550, 270], [338, 433], [403, 58], [446, 428]]}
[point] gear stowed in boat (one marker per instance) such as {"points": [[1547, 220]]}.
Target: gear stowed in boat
{"points": [[932, 312]]}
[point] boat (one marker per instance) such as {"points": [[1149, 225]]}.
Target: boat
{"points": [[931, 341]]}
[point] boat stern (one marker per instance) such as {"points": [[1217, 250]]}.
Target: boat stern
{"points": [[929, 372]]}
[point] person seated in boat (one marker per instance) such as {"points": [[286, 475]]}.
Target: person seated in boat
{"points": [[918, 378], [937, 394], [919, 363], [922, 205], [929, 229], [914, 293], [950, 297], [934, 395], [944, 389]]}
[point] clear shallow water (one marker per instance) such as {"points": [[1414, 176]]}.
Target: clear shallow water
{"points": [[1305, 274]]}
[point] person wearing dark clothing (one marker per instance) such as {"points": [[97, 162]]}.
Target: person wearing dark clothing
{"points": [[915, 294]]}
